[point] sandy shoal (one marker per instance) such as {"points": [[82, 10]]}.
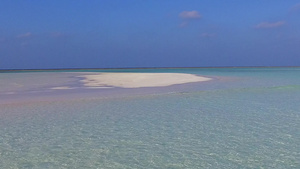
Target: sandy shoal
{"points": [[136, 80]]}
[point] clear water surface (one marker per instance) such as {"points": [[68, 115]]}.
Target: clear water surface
{"points": [[244, 118]]}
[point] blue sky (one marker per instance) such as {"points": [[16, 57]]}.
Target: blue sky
{"points": [[37, 34]]}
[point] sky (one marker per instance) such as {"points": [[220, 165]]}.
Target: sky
{"points": [[48, 34]]}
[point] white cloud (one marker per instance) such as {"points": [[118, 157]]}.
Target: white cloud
{"points": [[184, 24], [190, 15], [25, 35], [269, 24], [296, 7]]}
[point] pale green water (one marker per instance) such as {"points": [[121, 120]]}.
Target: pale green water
{"points": [[249, 118]]}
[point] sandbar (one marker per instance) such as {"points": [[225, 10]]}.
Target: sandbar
{"points": [[61, 88], [137, 80]]}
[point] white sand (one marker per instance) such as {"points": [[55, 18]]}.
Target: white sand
{"points": [[136, 80], [61, 88]]}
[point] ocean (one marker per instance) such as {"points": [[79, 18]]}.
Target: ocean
{"points": [[243, 118]]}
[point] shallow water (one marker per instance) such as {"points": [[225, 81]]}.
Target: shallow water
{"points": [[247, 118]]}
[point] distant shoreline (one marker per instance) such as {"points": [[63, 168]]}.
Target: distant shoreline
{"points": [[128, 68]]}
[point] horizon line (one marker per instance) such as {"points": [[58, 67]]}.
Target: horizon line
{"points": [[120, 68]]}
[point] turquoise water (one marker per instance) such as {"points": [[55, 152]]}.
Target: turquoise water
{"points": [[244, 118]]}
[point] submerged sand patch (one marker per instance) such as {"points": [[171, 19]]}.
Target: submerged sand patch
{"points": [[136, 80]]}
